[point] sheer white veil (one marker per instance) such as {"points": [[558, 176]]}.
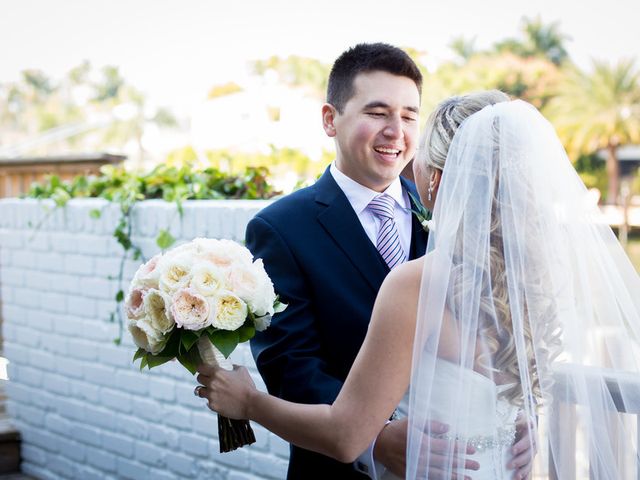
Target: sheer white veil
{"points": [[529, 307]]}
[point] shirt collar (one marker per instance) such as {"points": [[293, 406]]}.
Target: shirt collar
{"points": [[360, 196]]}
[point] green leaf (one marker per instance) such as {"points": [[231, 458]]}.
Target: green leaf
{"points": [[155, 360], [188, 339], [139, 354], [225, 341], [246, 333], [144, 361], [164, 239], [95, 213], [187, 362], [120, 296]]}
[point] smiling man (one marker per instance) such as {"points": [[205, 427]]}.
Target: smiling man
{"points": [[328, 247]]}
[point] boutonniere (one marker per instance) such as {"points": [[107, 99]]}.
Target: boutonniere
{"points": [[422, 214]]}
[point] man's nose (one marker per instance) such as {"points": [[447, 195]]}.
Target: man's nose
{"points": [[393, 129]]}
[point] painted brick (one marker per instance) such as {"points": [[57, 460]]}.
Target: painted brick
{"points": [[31, 415], [39, 320], [42, 359], [164, 436], [99, 288], [236, 459], [53, 302], [33, 454], [80, 264], [56, 344], [133, 382], [94, 245], [194, 444], [12, 276], [82, 307], [69, 367], [117, 356], [56, 383], [98, 374], [26, 297], [87, 473], [16, 352], [278, 446], [205, 423], [162, 390], [121, 445], [268, 466], [39, 438], [178, 417], [50, 262], [101, 417], [43, 400], [71, 449], [10, 239], [23, 259], [158, 474], [64, 242], [85, 391], [87, 435], [83, 349], [107, 266], [116, 400], [101, 332], [61, 466], [58, 424], [131, 470], [65, 283], [181, 464], [67, 325], [29, 337], [132, 426], [149, 454], [70, 408], [103, 460], [147, 409], [29, 376]]}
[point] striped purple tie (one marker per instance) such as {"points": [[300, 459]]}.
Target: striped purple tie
{"points": [[388, 241]]}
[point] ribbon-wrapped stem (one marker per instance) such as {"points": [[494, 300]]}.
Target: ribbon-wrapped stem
{"points": [[232, 434]]}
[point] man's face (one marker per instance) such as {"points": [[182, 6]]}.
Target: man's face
{"points": [[376, 134]]}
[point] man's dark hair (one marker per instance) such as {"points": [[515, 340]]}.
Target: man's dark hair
{"points": [[363, 58]]}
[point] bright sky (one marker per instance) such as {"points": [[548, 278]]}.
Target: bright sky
{"points": [[176, 50]]}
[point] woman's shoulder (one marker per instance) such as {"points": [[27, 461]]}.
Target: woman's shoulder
{"points": [[402, 285]]}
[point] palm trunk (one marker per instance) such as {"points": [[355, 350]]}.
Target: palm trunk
{"points": [[613, 173]]}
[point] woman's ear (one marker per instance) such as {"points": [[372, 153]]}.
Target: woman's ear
{"points": [[434, 178], [329, 114]]}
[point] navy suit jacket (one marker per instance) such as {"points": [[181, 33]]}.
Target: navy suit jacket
{"points": [[327, 270]]}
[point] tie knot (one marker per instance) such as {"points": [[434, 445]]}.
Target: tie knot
{"points": [[382, 206]]}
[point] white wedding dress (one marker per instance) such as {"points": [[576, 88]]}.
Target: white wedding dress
{"points": [[489, 420]]}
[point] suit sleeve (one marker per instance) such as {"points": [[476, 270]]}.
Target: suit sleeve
{"points": [[289, 354]]}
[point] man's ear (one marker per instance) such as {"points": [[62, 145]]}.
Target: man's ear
{"points": [[329, 114]]}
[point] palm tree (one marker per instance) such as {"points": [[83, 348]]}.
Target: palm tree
{"points": [[600, 110], [539, 40]]}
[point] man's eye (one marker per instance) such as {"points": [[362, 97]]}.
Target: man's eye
{"points": [[376, 114], [410, 119]]}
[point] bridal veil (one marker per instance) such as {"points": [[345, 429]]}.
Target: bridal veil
{"points": [[529, 312]]}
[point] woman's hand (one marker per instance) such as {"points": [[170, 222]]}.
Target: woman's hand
{"points": [[229, 393]]}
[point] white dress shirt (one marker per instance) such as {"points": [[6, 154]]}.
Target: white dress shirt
{"points": [[360, 196]]}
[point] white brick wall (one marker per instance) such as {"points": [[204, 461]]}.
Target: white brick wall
{"points": [[84, 409]]}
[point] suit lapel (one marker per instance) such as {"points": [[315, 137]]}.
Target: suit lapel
{"points": [[342, 224]]}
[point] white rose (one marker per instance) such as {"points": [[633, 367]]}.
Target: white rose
{"points": [[262, 323], [253, 285], [133, 304], [175, 272], [191, 310], [148, 274], [146, 337], [229, 312], [206, 279], [226, 254], [157, 308]]}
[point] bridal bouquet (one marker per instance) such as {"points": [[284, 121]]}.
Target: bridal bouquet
{"points": [[195, 303]]}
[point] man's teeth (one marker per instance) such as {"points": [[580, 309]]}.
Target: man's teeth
{"points": [[390, 151]]}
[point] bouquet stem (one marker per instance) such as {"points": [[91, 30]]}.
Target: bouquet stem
{"points": [[232, 434]]}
